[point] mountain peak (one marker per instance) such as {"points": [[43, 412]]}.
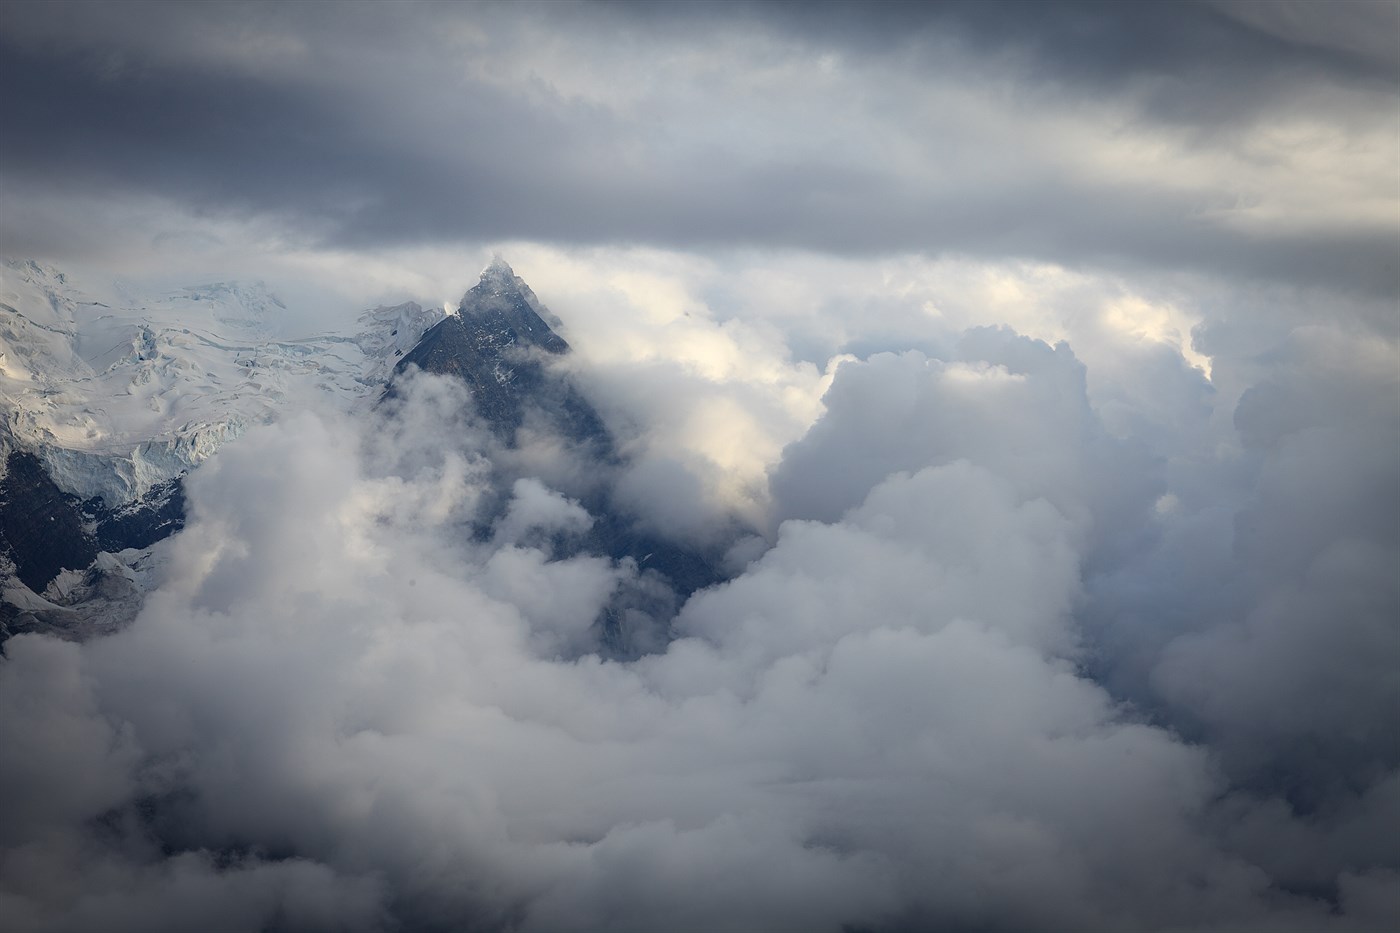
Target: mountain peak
{"points": [[499, 276], [502, 307], [497, 266], [492, 344]]}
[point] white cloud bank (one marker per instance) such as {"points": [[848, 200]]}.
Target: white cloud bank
{"points": [[1002, 667], [1088, 623]]}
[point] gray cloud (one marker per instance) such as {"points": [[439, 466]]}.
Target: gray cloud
{"points": [[885, 721], [1245, 51], [483, 124], [1038, 633]]}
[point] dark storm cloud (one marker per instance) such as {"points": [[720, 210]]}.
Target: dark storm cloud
{"points": [[1099, 44], [374, 130]]}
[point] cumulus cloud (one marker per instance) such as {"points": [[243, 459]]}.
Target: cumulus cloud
{"points": [[1315, 539], [344, 707], [1011, 404], [1029, 370]]}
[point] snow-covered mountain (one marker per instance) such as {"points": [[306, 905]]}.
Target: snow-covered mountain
{"points": [[120, 392], [109, 400], [109, 396]]}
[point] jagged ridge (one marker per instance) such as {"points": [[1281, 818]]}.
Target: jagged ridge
{"points": [[501, 346], [498, 344]]}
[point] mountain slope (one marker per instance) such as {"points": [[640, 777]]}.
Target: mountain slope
{"points": [[41, 531], [500, 344], [119, 391], [109, 396], [108, 403]]}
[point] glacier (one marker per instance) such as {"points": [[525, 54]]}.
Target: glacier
{"points": [[118, 391], [110, 395]]}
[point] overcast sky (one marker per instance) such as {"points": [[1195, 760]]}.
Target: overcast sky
{"points": [[1250, 140], [1040, 362]]}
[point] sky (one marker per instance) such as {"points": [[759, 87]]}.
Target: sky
{"points": [[1037, 364]]}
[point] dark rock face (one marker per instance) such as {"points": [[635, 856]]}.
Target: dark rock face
{"points": [[158, 515], [40, 526], [44, 530], [501, 346], [686, 569]]}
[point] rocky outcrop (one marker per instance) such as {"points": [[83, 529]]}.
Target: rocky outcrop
{"points": [[499, 343], [41, 528], [157, 515], [500, 346]]}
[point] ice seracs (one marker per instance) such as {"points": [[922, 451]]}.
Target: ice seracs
{"points": [[110, 395], [121, 392]]}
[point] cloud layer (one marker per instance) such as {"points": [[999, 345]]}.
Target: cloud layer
{"points": [[1243, 141], [997, 668], [1037, 365]]}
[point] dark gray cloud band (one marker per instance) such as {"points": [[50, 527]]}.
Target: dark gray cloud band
{"points": [[374, 130]]}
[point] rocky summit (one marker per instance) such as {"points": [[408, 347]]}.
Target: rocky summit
{"points": [[82, 500], [499, 344]]}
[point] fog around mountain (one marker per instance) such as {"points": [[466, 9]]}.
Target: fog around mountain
{"points": [[1026, 377]]}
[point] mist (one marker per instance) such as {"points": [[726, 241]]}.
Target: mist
{"points": [[992, 666], [1028, 375]]}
